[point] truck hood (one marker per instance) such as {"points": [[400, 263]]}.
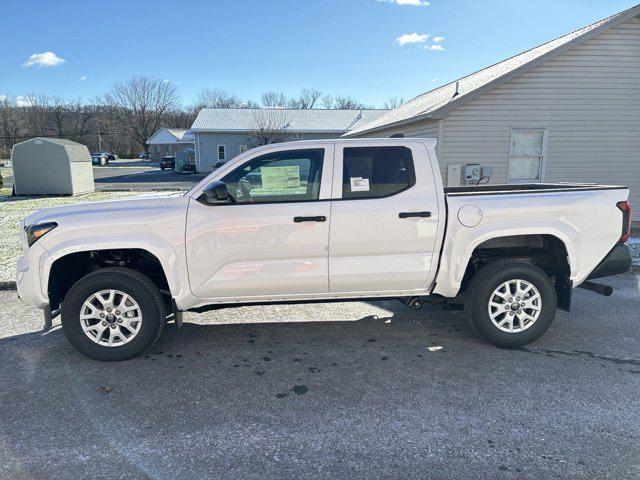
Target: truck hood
{"points": [[107, 210]]}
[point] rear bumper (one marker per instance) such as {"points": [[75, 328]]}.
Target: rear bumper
{"points": [[617, 261]]}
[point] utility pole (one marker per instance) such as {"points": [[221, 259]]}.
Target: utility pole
{"points": [[99, 142]]}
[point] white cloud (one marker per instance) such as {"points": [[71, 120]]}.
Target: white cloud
{"points": [[18, 101], [434, 80], [434, 47], [45, 59], [412, 38], [413, 3], [438, 39], [83, 77]]}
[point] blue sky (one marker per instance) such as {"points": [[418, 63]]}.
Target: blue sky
{"points": [[344, 47]]}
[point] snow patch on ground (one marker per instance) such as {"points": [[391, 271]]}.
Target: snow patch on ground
{"points": [[634, 246], [14, 209]]}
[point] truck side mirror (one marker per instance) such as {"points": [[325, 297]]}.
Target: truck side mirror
{"points": [[215, 193]]}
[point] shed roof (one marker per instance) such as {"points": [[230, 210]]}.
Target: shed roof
{"points": [[440, 100], [59, 141], [312, 120], [75, 152]]}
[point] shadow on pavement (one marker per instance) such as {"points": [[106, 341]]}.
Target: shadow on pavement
{"points": [[348, 399]]}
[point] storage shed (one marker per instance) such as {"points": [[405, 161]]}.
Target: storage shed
{"points": [[185, 160], [51, 166]]}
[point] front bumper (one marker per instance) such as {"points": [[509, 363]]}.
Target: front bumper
{"points": [[617, 261], [28, 284]]}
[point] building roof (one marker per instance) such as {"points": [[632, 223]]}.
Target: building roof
{"points": [[174, 135], [177, 132], [435, 103], [298, 120]]}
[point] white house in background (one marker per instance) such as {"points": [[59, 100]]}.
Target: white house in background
{"points": [[223, 133], [167, 141], [567, 110]]}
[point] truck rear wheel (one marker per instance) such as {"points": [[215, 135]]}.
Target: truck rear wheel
{"points": [[113, 314], [510, 303]]}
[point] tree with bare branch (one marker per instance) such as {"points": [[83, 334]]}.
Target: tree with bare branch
{"points": [[346, 103], [11, 124], [141, 105], [208, 98], [270, 126], [274, 100], [307, 99], [393, 102]]}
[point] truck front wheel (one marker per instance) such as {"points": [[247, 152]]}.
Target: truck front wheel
{"points": [[113, 314], [510, 303]]}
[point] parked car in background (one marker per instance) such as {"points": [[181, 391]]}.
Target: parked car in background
{"points": [[217, 165], [167, 162], [99, 159], [144, 156], [111, 157], [328, 220]]}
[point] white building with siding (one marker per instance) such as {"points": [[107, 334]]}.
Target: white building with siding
{"points": [[220, 134], [567, 110], [168, 141]]}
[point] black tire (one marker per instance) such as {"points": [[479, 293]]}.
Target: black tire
{"points": [[480, 291], [128, 281], [161, 168]]}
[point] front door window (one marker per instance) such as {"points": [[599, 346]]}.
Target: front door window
{"points": [[287, 176]]}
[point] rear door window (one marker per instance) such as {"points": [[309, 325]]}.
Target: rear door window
{"points": [[376, 172]]}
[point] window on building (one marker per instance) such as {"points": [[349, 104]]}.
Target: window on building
{"points": [[243, 148], [375, 172], [287, 176], [157, 149], [527, 155], [221, 155]]}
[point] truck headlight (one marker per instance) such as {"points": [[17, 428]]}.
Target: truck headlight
{"points": [[35, 232]]}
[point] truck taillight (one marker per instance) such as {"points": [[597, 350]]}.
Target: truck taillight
{"points": [[626, 220]]}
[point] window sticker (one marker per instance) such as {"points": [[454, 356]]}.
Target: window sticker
{"points": [[359, 184], [281, 178]]}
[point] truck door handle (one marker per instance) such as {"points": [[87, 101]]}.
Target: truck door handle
{"points": [[414, 214], [319, 218]]}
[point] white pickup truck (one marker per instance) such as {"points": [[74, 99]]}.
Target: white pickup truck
{"points": [[315, 221]]}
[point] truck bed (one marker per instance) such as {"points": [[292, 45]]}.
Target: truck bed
{"points": [[526, 188]]}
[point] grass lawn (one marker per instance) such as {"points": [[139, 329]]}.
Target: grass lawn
{"points": [[14, 209]]}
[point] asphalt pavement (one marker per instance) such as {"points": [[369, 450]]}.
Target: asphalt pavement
{"points": [[348, 390], [143, 178], [137, 178]]}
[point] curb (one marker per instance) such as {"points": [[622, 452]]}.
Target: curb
{"points": [[7, 286]]}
